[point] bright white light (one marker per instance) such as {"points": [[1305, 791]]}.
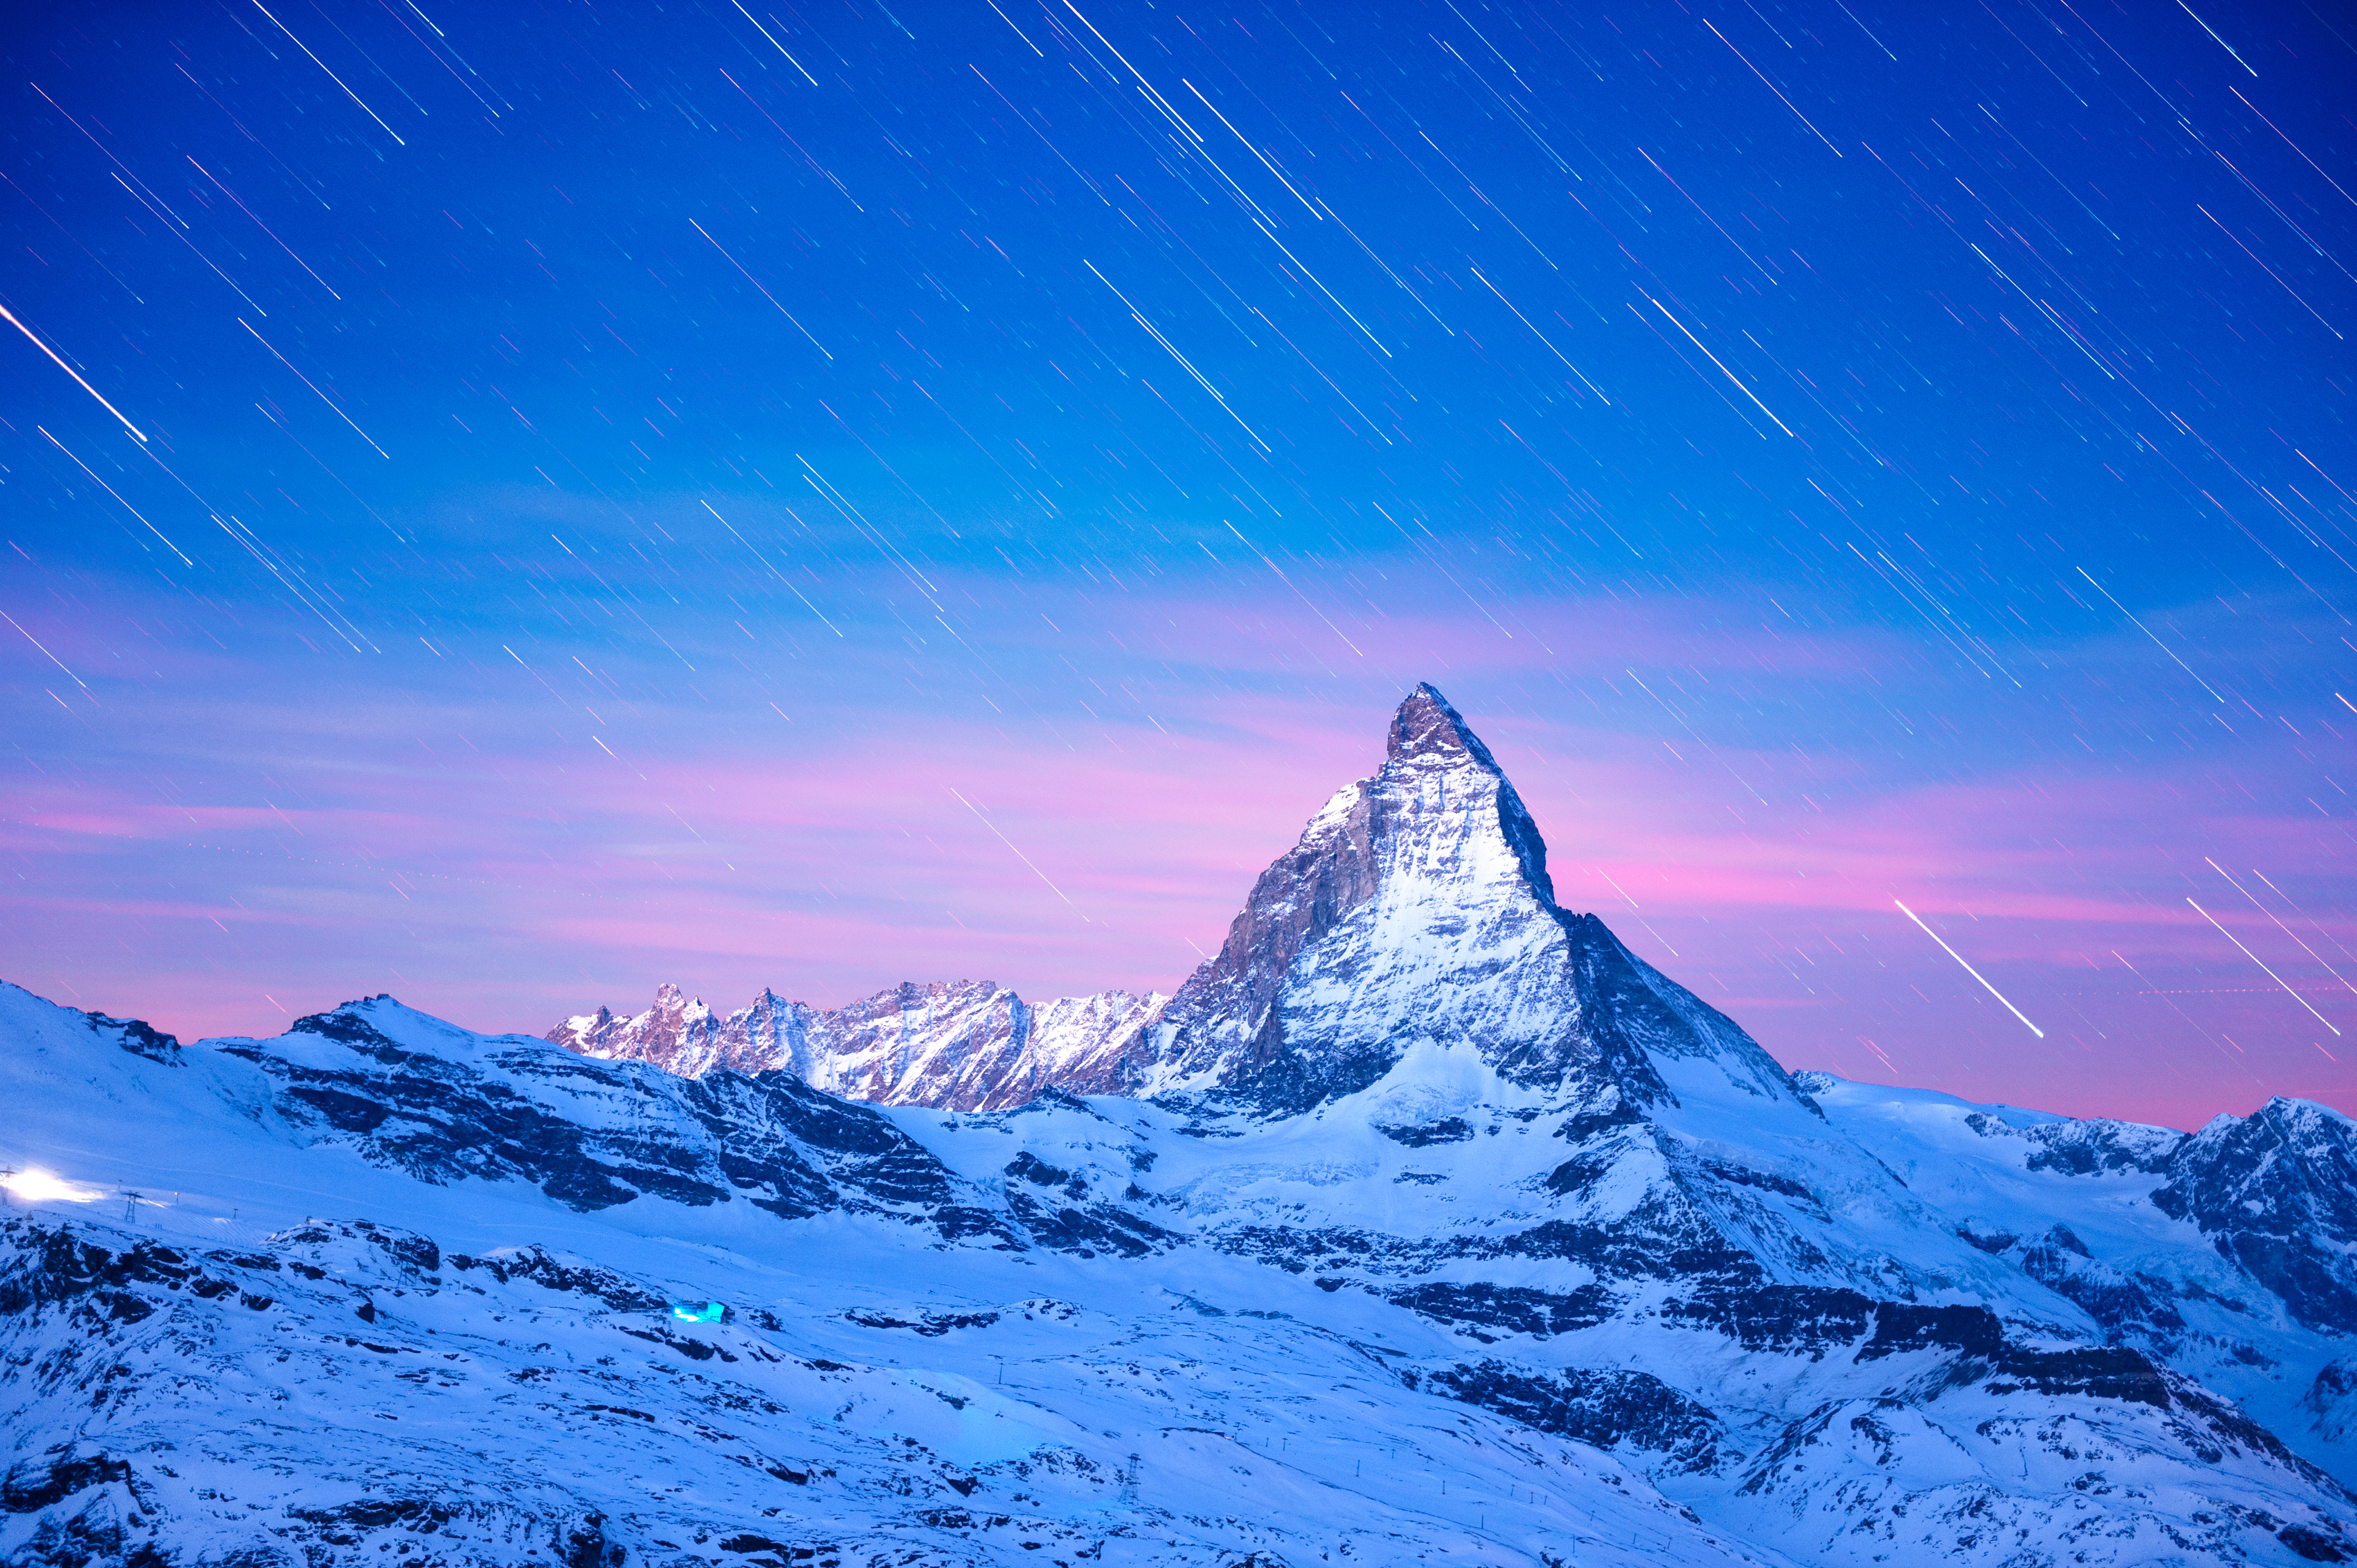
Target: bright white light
{"points": [[40, 1186]]}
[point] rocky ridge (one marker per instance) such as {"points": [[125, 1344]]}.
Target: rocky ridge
{"points": [[960, 1045]]}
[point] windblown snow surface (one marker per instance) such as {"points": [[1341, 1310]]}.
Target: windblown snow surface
{"points": [[1428, 1224]]}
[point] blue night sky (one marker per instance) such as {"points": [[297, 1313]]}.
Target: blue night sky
{"points": [[566, 497]]}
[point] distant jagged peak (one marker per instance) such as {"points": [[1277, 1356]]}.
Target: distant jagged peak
{"points": [[962, 1045], [673, 1004]]}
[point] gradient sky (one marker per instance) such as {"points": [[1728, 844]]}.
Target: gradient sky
{"points": [[568, 497]]}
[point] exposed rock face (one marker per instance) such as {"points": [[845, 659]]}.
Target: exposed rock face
{"points": [[2277, 1190], [1634, 1410]]}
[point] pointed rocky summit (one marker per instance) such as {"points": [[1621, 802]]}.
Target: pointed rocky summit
{"points": [[1417, 907]]}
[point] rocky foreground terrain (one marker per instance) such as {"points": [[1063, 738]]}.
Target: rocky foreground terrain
{"points": [[1424, 1222]]}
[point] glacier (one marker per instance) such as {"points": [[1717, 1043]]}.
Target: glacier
{"points": [[1424, 1222]]}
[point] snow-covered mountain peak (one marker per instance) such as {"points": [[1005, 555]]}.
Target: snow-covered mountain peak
{"points": [[1417, 908], [2253, 1182]]}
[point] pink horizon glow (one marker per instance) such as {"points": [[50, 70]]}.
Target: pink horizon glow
{"points": [[508, 882]]}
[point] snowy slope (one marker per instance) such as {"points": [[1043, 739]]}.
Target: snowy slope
{"points": [[2226, 1254], [1434, 1224], [475, 1361], [478, 1341]]}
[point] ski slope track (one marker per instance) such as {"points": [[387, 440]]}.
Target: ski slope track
{"points": [[1423, 1223]]}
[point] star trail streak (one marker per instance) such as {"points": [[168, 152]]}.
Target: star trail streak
{"points": [[1968, 969]]}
